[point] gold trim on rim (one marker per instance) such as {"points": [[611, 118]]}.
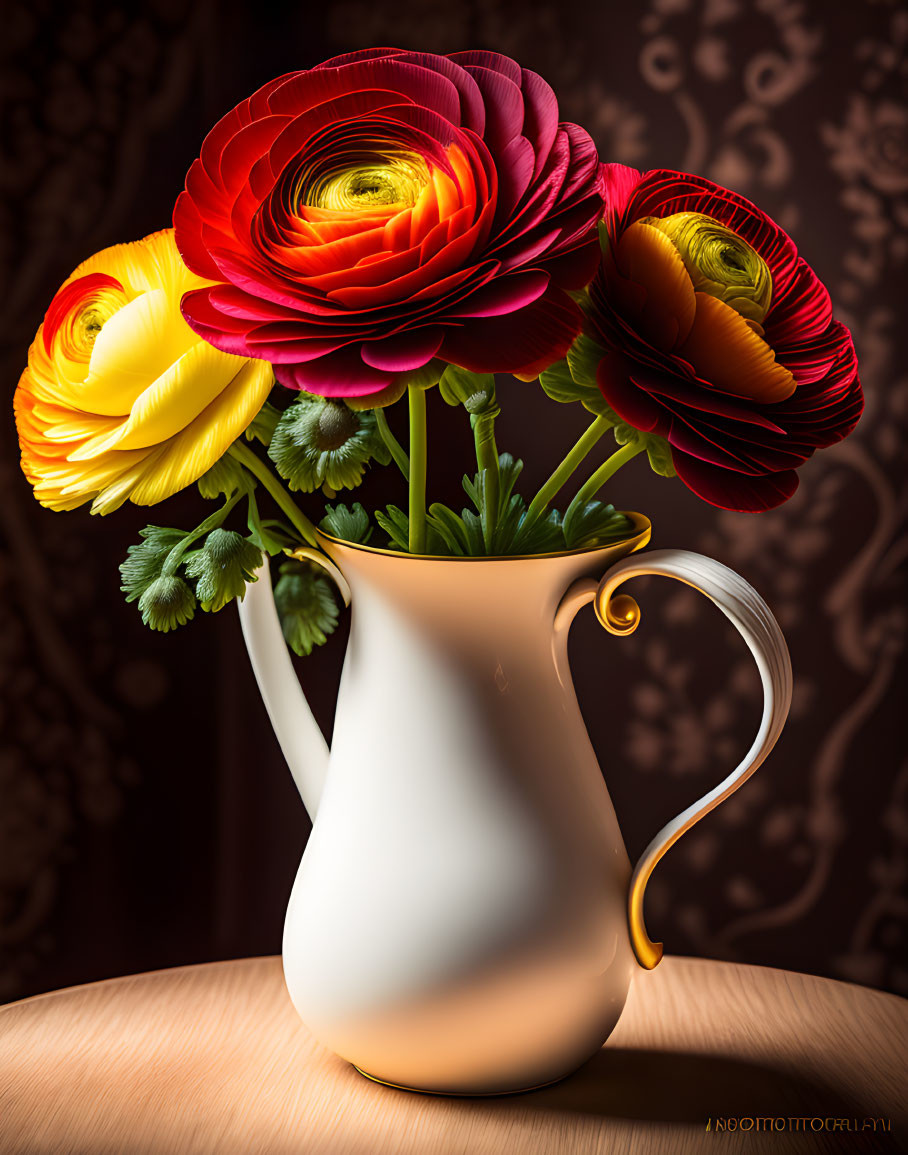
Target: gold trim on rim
{"points": [[641, 523]]}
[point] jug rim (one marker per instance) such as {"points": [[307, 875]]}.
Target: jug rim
{"points": [[637, 539]]}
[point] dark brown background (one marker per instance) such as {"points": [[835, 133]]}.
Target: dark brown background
{"points": [[146, 816]]}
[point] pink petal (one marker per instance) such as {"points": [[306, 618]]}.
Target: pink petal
{"points": [[540, 121], [403, 352], [504, 295], [340, 374]]}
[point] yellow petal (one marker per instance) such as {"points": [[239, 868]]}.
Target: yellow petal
{"points": [[171, 402], [187, 456], [111, 496], [180, 395], [140, 266], [62, 424], [724, 350], [133, 349]]}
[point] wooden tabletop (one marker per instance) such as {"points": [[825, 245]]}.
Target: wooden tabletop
{"points": [[213, 1059]]}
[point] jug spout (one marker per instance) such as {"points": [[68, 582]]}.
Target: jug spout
{"points": [[297, 731]]}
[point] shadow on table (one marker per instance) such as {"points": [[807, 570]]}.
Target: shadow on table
{"points": [[675, 1087]]}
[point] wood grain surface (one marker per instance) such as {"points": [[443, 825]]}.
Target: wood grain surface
{"points": [[213, 1059]]}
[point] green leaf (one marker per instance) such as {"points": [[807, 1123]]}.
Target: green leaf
{"points": [[510, 511], [222, 567], [509, 470], [143, 562], [167, 602], [473, 533], [475, 391], [263, 425], [659, 453], [594, 524], [347, 524], [541, 536], [604, 242], [450, 528], [321, 440], [561, 384], [658, 450], [578, 383], [583, 359], [396, 525], [225, 477], [306, 607]]}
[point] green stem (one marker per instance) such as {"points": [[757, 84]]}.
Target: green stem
{"points": [[610, 466], [585, 443], [263, 474], [487, 460], [213, 521], [417, 479], [393, 446]]}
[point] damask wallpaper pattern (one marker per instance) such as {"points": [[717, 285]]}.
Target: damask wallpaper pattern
{"points": [[146, 818]]}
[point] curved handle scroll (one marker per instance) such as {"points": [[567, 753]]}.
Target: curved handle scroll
{"points": [[750, 615]]}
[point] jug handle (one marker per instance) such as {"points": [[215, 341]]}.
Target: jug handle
{"points": [[752, 618], [297, 731]]}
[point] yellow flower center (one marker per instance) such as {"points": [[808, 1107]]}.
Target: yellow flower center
{"points": [[719, 262], [88, 326], [379, 181], [79, 331]]}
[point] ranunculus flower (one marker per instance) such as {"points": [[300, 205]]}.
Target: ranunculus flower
{"points": [[120, 399], [388, 208], [719, 337]]}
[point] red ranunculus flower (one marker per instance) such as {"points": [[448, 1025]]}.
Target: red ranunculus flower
{"points": [[387, 208], [720, 337]]}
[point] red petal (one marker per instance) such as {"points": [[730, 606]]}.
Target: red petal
{"points": [[800, 313], [618, 182], [187, 231], [576, 269], [68, 298], [525, 342], [630, 402], [736, 491]]}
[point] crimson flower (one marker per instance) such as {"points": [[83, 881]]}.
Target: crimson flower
{"points": [[718, 337], [388, 208]]}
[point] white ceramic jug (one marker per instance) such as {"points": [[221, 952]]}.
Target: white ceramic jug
{"points": [[465, 919]]}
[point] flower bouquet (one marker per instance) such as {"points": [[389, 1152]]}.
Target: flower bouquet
{"points": [[351, 237]]}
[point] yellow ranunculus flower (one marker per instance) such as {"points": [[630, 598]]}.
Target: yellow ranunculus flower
{"points": [[121, 400]]}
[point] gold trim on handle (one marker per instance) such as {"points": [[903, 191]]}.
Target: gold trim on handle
{"points": [[620, 615], [743, 606]]}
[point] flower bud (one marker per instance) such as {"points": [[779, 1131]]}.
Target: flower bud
{"points": [[222, 568], [474, 391], [167, 603], [321, 441]]}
